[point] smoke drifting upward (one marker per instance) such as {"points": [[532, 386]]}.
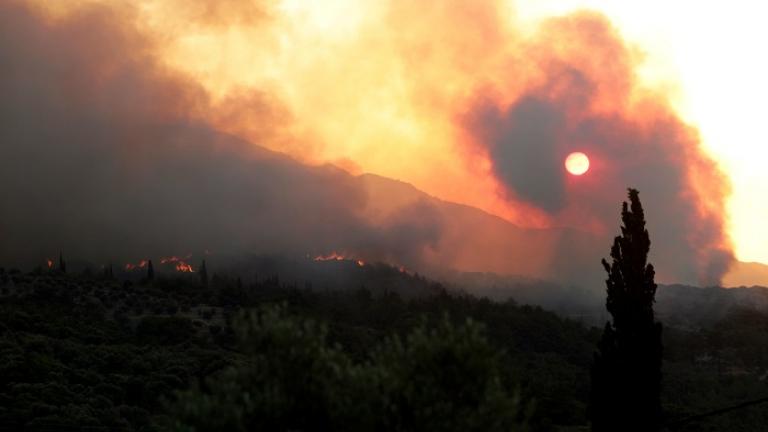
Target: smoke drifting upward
{"points": [[588, 101], [106, 155], [133, 128]]}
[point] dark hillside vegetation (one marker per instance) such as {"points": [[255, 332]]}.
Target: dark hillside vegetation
{"points": [[84, 352]]}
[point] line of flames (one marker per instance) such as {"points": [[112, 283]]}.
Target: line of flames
{"points": [[335, 256], [180, 264], [141, 264], [184, 267]]}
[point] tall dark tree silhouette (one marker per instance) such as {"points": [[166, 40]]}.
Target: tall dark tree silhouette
{"points": [[626, 374], [62, 263], [203, 274], [150, 271]]}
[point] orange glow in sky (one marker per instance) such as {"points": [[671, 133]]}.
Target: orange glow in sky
{"points": [[386, 89]]}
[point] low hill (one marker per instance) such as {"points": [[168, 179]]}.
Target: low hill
{"points": [[472, 240], [677, 305]]}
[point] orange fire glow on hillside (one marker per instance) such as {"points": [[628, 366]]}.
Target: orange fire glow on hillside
{"points": [[139, 265], [49, 263], [184, 267], [180, 263], [335, 256]]}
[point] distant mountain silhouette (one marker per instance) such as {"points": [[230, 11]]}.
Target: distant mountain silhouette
{"points": [[688, 306], [475, 241], [682, 306]]}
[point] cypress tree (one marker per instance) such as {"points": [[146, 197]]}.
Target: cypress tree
{"points": [[203, 274], [62, 263], [150, 271], [626, 373]]}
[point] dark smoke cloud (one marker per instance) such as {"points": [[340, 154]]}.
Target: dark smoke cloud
{"points": [[107, 155], [104, 156], [523, 140], [651, 150]]}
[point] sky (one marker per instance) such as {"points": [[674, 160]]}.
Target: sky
{"points": [[709, 54], [703, 56], [477, 103]]}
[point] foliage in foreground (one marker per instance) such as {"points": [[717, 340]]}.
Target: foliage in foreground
{"points": [[442, 379], [81, 352]]}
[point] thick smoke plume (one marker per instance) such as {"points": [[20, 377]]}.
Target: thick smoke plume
{"points": [[133, 129], [588, 101], [105, 155]]}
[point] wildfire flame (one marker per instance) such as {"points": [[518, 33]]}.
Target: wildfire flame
{"points": [[183, 267], [335, 256], [49, 262], [131, 266], [181, 264]]}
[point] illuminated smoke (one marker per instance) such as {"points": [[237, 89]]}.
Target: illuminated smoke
{"points": [[130, 130], [634, 139], [109, 157]]}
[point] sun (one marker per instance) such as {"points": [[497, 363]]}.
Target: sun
{"points": [[577, 163]]}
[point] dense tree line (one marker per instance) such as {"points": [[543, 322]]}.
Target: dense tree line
{"points": [[123, 350], [90, 351]]}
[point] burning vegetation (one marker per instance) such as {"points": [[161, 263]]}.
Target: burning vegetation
{"points": [[139, 265], [334, 256], [179, 264]]}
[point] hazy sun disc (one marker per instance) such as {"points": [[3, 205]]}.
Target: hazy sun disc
{"points": [[577, 163]]}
